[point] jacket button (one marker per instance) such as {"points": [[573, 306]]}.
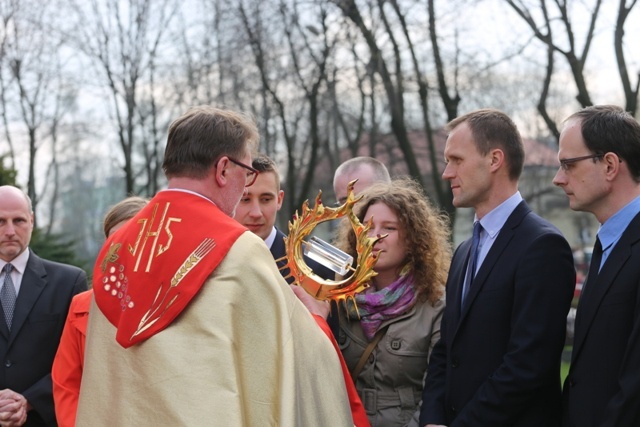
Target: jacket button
{"points": [[396, 344], [371, 358], [8, 363], [454, 363]]}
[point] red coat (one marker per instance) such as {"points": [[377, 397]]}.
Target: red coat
{"points": [[66, 372], [357, 409]]}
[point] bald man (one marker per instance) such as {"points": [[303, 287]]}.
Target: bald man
{"points": [[35, 295], [366, 170]]}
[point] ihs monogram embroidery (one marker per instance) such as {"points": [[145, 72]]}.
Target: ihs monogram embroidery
{"points": [[140, 251]]}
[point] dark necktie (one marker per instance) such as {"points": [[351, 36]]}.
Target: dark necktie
{"points": [[473, 260], [8, 295], [594, 267]]}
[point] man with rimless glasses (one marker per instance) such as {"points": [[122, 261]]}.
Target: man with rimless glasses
{"points": [[600, 173]]}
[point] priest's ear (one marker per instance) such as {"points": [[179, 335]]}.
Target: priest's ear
{"points": [[220, 171]]}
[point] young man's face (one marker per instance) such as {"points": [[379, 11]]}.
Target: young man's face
{"points": [[258, 208]]}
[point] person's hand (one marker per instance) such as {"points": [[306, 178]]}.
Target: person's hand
{"points": [[13, 408], [320, 308]]}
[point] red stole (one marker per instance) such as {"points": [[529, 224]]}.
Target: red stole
{"points": [[358, 413], [149, 270]]}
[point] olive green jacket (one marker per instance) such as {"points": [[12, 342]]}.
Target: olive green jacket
{"points": [[390, 383]]}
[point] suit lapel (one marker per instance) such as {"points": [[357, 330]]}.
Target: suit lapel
{"points": [[501, 243], [456, 279], [33, 283], [595, 291], [4, 330], [277, 249]]}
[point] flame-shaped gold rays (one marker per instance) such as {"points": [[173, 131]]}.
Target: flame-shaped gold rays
{"points": [[302, 225]]}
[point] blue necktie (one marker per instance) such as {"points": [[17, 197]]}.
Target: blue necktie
{"points": [[473, 260], [8, 295]]}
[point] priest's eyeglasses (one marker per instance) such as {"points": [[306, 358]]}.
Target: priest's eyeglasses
{"points": [[252, 173], [565, 164]]}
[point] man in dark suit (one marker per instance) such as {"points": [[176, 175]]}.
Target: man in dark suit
{"points": [[600, 172], [508, 292], [258, 209], [35, 298]]}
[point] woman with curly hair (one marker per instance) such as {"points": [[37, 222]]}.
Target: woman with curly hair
{"points": [[387, 336]]}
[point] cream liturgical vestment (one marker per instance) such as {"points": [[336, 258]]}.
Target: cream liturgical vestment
{"points": [[243, 352]]}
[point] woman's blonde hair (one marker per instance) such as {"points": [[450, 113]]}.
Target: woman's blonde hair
{"points": [[122, 211], [426, 230]]}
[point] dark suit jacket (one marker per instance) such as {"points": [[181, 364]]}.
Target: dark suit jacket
{"points": [[27, 352], [278, 251], [498, 359], [603, 385]]}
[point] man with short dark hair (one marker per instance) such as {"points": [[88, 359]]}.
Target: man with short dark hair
{"points": [[600, 173], [259, 208], [35, 295], [508, 292], [192, 323]]}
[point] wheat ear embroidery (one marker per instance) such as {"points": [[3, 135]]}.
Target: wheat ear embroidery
{"points": [[154, 314]]}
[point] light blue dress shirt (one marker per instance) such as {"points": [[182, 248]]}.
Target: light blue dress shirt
{"points": [[492, 223], [611, 231]]}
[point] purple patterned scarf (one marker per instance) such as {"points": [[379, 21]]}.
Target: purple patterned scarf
{"points": [[374, 307]]}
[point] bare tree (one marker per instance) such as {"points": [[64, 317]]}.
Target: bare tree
{"points": [[7, 15], [549, 27], [352, 130], [393, 82], [203, 52], [575, 58], [442, 189], [450, 102], [297, 88], [630, 90], [123, 39], [312, 78], [253, 24], [33, 78]]}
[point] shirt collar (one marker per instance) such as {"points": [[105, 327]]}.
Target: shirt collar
{"points": [[612, 229], [493, 222], [19, 263], [271, 238]]}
